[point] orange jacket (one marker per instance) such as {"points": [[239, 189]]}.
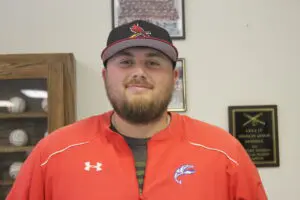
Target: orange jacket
{"points": [[188, 160]]}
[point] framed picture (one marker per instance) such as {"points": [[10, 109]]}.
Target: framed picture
{"points": [[178, 102], [168, 14], [256, 128]]}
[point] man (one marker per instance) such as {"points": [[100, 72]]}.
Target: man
{"points": [[138, 150]]}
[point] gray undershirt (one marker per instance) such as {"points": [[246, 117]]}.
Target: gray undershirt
{"points": [[139, 149]]}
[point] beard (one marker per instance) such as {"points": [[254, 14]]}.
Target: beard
{"points": [[140, 110]]}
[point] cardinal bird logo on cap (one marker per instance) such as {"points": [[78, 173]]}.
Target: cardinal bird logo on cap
{"points": [[139, 31]]}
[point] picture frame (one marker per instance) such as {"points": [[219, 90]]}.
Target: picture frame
{"points": [[256, 128], [167, 14], [179, 101]]}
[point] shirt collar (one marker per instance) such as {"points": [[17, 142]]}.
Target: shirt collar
{"points": [[173, 131]]}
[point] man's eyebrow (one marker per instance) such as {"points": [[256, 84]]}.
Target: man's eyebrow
{"points": [[156, 54], [123, 53]]}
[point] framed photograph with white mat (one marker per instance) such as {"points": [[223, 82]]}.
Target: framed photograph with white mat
{"points": [[168, 14]]}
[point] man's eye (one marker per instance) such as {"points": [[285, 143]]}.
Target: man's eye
{"points": [[153, 64], [126, 62]]}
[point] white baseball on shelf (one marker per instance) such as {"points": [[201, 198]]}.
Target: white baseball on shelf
{"points": [[44, 104], [18, 137], [14, 169], [18, 105]]}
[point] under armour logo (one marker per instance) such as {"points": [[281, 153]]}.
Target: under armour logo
{"points": [[97, 167]]}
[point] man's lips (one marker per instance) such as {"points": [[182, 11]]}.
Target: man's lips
{"points": [[139, 86]]}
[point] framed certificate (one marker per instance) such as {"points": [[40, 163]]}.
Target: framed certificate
{"points": [[257, 130]]}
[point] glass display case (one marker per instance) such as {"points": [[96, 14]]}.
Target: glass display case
{"points": [[37, 96]]}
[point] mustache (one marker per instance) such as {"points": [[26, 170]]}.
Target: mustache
{"points": [[138, 83]]}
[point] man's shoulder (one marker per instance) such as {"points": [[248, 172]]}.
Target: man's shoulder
{"points": [[79, 132], [198, 127], [209, 135]]}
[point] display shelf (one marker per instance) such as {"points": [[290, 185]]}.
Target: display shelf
{"points": [[12, 149], [23, 115]]}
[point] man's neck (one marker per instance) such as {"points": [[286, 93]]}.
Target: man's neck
{"points": [[142, 130]]}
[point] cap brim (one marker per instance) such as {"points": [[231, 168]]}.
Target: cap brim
{"points": [[164, 47]]}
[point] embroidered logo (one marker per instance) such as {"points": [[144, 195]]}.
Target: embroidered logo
{"points": [[97, 167], [139, 31], [183, 170]]}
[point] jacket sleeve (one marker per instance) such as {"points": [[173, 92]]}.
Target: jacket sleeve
{"points": [[29, 184], [245, 181]]}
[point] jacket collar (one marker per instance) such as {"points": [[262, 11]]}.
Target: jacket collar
{"points": [[173, 131]]}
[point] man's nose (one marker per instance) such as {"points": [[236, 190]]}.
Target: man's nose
{"points": [[139, 71]]}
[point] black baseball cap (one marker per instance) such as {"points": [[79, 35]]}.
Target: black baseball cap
{"points": [[139, 33]]}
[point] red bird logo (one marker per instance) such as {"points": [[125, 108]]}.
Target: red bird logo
{"points": [[139, 31]]}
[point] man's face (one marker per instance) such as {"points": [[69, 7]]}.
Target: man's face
{"points": [[139, 83]]}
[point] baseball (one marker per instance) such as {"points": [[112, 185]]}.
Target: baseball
{"points": [[45, 104], [46, 134], [14, 169], [18, 137], [18, 105]]}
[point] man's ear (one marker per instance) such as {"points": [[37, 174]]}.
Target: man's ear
{"points": [[176, 75], [104, 73]]}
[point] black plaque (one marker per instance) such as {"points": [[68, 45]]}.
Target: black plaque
{"points": [[257, 130]]}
